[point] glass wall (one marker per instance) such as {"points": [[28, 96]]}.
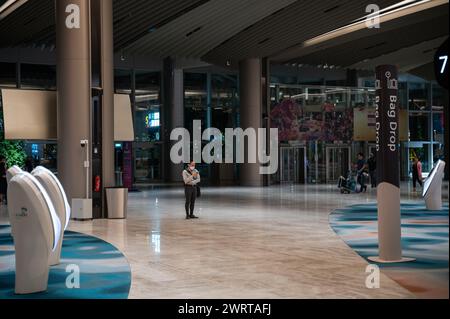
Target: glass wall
{"points": [[321, 118], [32, 76], [147, 106], [213, 99], [195, 99], [426, 124], [418, 96], [144, 88], [8, 74], [224, 101], [438, 124], [35, 76]]}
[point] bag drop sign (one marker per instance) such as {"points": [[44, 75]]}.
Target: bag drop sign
{"points": [[387, 127]]}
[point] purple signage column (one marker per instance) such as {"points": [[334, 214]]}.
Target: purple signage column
{"points": [[127, 177], [388, 165]]}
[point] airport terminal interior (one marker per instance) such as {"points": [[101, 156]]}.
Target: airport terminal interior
{"points": [[119, 179]]}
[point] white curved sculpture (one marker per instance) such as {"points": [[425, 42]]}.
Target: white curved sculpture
{"points": [[36, 230], [59, 199], [12, 171], [432, 187]]}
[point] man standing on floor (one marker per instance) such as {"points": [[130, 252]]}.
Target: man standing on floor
{"points": [[191, 178]]}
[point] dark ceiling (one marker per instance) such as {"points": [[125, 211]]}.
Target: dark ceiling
{"points": [[380, 43], [33, 24], [225, 31]]}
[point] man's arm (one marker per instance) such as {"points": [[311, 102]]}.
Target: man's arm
{"points": [[196, 180], [187, 178]]}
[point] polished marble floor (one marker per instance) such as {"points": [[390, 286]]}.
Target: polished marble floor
{"points": [[271, 242]]}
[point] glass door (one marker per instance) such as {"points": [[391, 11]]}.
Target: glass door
{"points": [[372, 150], [292, 165], [147, 163], [338, 162]]}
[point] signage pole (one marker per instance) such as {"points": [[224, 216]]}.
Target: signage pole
{"points": [[388, 166]]}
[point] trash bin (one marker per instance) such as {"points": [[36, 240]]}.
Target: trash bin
{"points": [[116, 202]]}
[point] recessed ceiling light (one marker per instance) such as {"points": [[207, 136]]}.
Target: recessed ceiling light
{"points": [[331, 9], [193, 31], [9, 6], [263, 41]]}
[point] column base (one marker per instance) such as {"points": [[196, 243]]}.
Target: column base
{"points": [[378, 260]]}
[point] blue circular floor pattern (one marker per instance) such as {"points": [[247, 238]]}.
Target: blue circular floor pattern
{"points": [[425, 237], [104, 270]]}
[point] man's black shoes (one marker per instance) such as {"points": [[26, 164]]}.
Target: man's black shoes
{"points": [[193, 216]]}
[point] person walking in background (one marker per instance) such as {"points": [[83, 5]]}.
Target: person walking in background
{"points": [[3, 183], [372, 165], [360, 167], [416, 172], [191, 178]]}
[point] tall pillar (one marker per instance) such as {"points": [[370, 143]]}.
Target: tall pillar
{"points": [[102, 116], [74, 93], [388, 166], [250, 89], [446, 137], [266, 108], [107, 74], [173, 114]]}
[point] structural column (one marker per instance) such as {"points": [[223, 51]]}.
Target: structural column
{"points": [[265, 96], [250, 89], [388, 166], [173, 115], [102, 83], [107, 75], [446, 137], [74, 92]]}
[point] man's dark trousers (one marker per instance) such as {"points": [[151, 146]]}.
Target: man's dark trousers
{"points": [[190, 193]]}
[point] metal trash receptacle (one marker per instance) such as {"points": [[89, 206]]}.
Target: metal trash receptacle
{"points": [[116, 202]]}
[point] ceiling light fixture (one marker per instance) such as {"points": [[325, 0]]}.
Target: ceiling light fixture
{"points": [[9, 6], [193, 31], [395, 11]]}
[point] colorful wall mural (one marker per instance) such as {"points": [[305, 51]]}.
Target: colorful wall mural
{"points": [[327, 124]]}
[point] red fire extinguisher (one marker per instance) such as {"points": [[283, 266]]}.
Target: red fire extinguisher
{"points": [[97, 184]]}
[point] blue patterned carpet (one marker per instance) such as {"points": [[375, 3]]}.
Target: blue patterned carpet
{"points": [[104, 271], [425, 236]]}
